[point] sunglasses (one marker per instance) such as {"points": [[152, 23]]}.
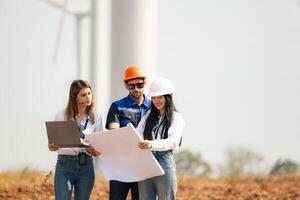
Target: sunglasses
{"points": [[132, 86]]}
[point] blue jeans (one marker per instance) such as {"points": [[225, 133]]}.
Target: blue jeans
{"points": [[69, 174], [164, 187]]}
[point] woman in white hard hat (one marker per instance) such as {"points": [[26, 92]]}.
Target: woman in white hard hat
{"points": [[161, 129]]}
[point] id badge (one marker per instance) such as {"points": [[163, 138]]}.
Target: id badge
{"points": [[82, 158]]}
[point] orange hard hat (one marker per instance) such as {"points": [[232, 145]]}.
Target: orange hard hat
{"points": [[133, 72]]}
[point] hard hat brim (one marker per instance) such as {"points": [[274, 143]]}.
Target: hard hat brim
{"points": [[155, 94], [134, 77]]}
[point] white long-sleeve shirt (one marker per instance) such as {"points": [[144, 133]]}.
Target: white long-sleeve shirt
{"points": [[90, 128], [174, 133]]}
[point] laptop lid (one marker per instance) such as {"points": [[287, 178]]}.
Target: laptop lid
{"points": [[63, 133]]}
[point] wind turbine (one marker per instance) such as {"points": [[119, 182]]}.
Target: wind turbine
{"points": [[98, 44], [79, 15]]}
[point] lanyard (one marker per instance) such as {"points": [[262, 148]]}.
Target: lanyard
{"points": [[82, 128], [86, 123], [157, 129]]}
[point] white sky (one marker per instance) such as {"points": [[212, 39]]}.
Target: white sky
{"points": [[235, 65], [237, 69]]}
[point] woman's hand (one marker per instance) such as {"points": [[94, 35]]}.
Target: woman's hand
{"points": [[53, 147], [91, 150], [145, 144]]}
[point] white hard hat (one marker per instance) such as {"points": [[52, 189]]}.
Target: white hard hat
{"points": [[161, 86]]}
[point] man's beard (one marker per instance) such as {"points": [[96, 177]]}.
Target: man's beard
{"points": [[136, 94]]}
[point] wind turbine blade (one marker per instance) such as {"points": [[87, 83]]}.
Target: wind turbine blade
{"points": [[58, 6], [60, 29]]}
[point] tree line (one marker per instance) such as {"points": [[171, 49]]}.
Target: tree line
{"points": [[238, 161]]}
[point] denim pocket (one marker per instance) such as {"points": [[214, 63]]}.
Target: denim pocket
{"points": [[167, 162], [64, 166], [61, 162]]}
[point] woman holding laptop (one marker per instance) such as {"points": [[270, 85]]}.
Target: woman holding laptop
{"points": [[74, 167]]}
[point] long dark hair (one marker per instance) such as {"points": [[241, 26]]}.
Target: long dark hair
{"points": [[153, 118], [72, 108]]}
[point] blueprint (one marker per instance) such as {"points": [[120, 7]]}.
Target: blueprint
{"points": [[121, 159]]}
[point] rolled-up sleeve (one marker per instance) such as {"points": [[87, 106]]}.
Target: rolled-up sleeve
{"points": [[112, 115]]}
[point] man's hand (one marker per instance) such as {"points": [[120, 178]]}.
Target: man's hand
{"points": [[113, 125], [92, 151], [146, 144], [53, 147]]}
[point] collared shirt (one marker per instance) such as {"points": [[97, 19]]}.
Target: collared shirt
{"points": [[174, 133], [90, 128], [126, 110]]}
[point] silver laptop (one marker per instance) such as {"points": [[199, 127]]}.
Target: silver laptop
{"points": [[64, 133]]}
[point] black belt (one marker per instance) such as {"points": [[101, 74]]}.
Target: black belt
{"points": [[162, 152], [82, 158], [70, 157]]}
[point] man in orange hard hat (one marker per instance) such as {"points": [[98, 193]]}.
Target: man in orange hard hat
{"points": [[129, 109]]}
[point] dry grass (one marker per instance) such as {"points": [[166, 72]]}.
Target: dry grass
{"points": [[27, 184]]}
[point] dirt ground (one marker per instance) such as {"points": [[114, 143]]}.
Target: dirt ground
{"points": [[31, 185]]}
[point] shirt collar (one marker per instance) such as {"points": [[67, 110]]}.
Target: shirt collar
{"points": [[86, 117], [146, 102]]}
